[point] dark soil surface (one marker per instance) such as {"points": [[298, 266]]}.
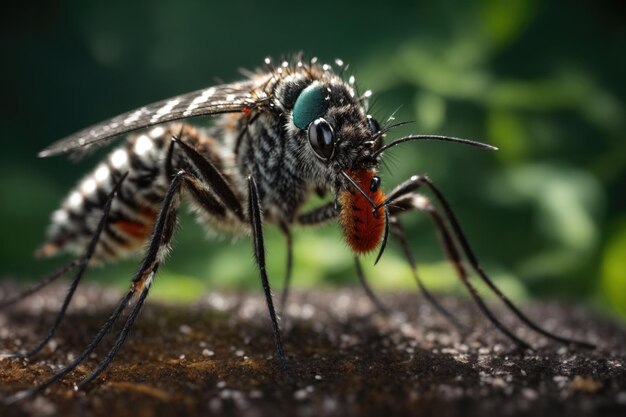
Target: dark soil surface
{"points": [[215, 357]]}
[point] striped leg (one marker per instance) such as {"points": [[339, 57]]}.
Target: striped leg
{"points": [[212, 178], [404, 198]]}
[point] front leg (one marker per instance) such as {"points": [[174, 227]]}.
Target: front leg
{"points": [[456, 246], [398, 232]]}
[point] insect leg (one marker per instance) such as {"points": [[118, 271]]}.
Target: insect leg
{"points": [[79, 359], [128, 324], [161, 236], [169, 167], [318, 215], [254, 211], [82, 262], [201, 194], [397, 230], [288, 268], [473, 260], [418, 201], [421, 203], [16, 298], [212, 177], [380, 306], [159, 243], [327, 212]]}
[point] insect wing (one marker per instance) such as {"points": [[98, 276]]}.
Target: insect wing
{"points": [[225, 98]]}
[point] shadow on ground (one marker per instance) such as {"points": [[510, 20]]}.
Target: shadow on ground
{"points": [[216, 358]]}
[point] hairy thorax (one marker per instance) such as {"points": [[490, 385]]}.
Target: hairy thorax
{"points": [[273, 158]]}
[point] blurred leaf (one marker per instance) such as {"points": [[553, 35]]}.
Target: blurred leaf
{"points": [[172, 287], [567, 203], [431, 111], [614, 269], [428, 69], [506, 19], [508, 133]]}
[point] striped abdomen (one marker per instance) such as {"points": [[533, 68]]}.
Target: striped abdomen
{"points": [[362, 229], [134, 209]]}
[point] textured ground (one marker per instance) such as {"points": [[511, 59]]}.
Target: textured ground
{"points": [[215, 358]]}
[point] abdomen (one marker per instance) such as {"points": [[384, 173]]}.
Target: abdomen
{"points": [[135, 207]]}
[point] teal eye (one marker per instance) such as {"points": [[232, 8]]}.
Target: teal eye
{"points": [[310, 105]]}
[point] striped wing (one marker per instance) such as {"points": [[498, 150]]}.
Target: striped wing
{"points": [[225, 98]]}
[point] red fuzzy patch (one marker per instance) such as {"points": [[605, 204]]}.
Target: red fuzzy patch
{"points": [[362, 229], [137, 229]]}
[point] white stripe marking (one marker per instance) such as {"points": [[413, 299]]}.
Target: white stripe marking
{"points": [[88, 186], [119, 158], [157, 132], [102, 173], [60, 216], [202, 98], [75, 200], [134, 117], [167, 108], [143, 145]]}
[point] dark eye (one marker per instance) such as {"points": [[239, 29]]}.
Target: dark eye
{"points": [[322, 138], [375, 184], [374, 126]]}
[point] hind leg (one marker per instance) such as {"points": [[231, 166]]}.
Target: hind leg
{"points": [[81, 263], [158, 245], [138, 291]]}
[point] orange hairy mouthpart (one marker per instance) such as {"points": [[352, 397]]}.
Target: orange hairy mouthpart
{"points": [[362, 229]]}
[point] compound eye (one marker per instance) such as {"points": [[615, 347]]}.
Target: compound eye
{"points": [[310, 104], [375, 184], [373, 124], [322, 138]]}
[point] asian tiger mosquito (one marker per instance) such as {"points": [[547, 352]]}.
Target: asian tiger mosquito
{"points": [[284, 133]]}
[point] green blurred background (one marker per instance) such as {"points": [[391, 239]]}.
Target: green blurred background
{"points": [[542, 80]]}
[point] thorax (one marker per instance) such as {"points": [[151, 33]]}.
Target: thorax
{"points": [[264, 150]]}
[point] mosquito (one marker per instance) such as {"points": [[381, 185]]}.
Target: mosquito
{"points": [[285, 133]]}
